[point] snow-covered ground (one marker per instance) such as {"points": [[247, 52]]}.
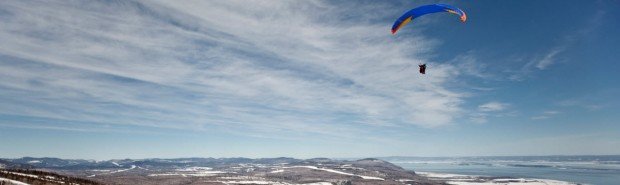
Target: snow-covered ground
{"points": [[268, 182], [338, 172], [112, 172], [194, 169], [194, 174], [456, 179], [131, 168], [191, 171], [23, 174], [277, 171], [12, 182]]}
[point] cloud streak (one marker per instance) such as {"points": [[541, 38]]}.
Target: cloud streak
{"points": [[284, 67], [550, 58], [568, 40], [546, 115], [493, 106]]}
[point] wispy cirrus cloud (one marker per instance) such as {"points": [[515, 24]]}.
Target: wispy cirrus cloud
{"points": [[546, 115], [493, 106], [541, 62], [553, 54], [489, 109], [285, 67], [549, 58]]}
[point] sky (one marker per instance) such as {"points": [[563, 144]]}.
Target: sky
{"points": [[255, 78]]}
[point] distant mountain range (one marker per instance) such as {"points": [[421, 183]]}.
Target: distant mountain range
{"points": [[282, 171], [77, 164]]}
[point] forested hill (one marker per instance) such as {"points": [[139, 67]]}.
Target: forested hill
{"points": [[36, 177]]}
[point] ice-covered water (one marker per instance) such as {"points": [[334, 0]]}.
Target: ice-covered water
{"points": [[596, 170]]}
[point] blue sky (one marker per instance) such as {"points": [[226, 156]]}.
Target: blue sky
{"points": [[141, 79]]}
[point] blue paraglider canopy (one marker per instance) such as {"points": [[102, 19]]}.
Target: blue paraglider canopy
{"points": [[423, 10]]}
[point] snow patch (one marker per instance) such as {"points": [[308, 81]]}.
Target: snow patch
{"points": [[23, 174], [12, 182], [277, 171], [192, 173], [338, 172], [269, 182], [194, 169]]}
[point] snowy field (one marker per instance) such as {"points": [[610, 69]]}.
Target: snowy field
{"points": [[12, 182], [456, 179]]}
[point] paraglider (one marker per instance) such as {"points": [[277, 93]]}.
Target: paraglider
{"points": [[422, 68], [426, 9], [423, 10]]}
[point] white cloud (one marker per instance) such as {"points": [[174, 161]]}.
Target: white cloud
{"points": [[546, 115], [487, 110], [468, 64], [493, 106], [263, 66], [550, 58]]}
